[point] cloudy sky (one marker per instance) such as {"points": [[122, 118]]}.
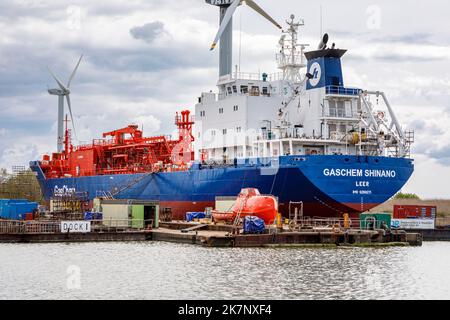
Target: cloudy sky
{"points": [[145, 59]]}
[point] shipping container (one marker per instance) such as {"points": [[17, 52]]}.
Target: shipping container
{"points": [[414, 212], [16, 209], [138, 216], [375, 221], [116, 215], [131, 213]]}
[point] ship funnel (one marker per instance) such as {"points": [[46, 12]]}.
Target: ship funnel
{"points": [[323, 42]]}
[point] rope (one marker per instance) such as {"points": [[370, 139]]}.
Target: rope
{"points": [[273, 182], [328, 206]]}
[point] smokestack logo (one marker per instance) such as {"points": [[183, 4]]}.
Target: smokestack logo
{"points": [[316, 72]]}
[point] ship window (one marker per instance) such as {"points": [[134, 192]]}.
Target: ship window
{"points": [[224, 131], [235, 108], [255, 91], [332, 128], [229, 90], [332, 108], [234, 89], [244, 89], [340, 109], [220, 110]]}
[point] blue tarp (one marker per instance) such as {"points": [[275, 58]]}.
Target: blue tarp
{"points": [[253, 225], [194, 215], [93, 216]]}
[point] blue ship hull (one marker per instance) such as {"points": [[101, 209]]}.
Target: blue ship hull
{"points": [[327, 185]]}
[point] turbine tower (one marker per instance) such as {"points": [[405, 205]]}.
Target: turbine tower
{"points": [[63, 91], [225, 33]]}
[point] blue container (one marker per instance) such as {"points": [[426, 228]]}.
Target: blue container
{"points": [[16, 209], [194, 215], [253, 225]]}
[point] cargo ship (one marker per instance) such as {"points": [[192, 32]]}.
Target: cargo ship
{"points": [[299, 134]]}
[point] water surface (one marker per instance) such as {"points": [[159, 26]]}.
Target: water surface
{"points": [[158, 270]]}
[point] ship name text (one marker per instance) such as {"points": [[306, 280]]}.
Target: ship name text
{"points": [[369, 173]]}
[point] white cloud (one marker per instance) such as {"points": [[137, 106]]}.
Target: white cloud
{"points": [[149, 123]]}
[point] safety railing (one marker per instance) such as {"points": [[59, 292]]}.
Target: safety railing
{"points": [[318, 222], [339, 90], [108, 225]]}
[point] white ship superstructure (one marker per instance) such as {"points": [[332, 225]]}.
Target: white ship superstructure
{"points": [[305, 109]]}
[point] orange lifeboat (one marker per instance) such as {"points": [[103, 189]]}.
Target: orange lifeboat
{"points": [[250, 203]]}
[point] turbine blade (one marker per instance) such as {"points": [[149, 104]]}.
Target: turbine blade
{"points": [[74, 71], [57, 80], [252, 4], [226, 19], [71, 115]]}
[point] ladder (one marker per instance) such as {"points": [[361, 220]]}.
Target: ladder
{"points": [[104, 194], [238, 215]]}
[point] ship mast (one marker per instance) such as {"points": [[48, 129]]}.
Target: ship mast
{"points": [[67, 137], [291, 58]]}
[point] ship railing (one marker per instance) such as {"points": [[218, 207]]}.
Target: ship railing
{"points": [[257, 76], [54, 227], [340, 90], [365, 224], [318, 222]]}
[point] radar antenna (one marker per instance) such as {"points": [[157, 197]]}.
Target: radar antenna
{"points": [[291, 57]]}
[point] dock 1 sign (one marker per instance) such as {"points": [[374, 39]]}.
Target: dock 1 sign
{"points": [[75, 226], [412, 224]]}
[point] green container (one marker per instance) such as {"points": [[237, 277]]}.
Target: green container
{"points": [[375, 220], [137, 214], [140, 213]]}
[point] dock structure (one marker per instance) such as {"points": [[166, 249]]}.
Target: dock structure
{"points": [[225, 236], [53, 231], [204, 234]]}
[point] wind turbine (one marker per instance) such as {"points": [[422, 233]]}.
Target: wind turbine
{"points": [[225, 33], [63, 91]]}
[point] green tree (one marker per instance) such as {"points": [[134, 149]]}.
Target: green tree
{"points": [[22, 185], [402, 195]]}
